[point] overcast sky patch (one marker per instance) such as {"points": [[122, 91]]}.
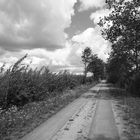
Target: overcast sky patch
{"points": [[53, 33]]}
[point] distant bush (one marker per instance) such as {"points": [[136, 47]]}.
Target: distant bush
{"points": [[20, 84]]}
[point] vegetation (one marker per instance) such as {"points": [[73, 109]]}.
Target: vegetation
{"points": [[92, 64], [130, 107], [122, 29], [96, 66], [20, 84], [15, 122], [86, 57], [28, 97], [127, 113]]}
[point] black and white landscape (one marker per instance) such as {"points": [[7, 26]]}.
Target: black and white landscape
{"points": [[69, 69]]}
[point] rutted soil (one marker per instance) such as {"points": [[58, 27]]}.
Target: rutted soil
{"points": [[78, 125]]}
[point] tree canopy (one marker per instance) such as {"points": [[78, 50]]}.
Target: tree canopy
{"points": [[122, 28], [96, 66], [86, 57], [92, 63]]}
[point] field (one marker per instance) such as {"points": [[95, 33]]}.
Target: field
{"points": [[28, 97]]}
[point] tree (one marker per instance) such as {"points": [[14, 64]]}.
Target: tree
{"points": [[86, 57], [118, 69], [122, 26], [122, 29], [96, 66]]}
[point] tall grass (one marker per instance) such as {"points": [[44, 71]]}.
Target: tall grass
{"points": [[20, 84], [29, 96]]}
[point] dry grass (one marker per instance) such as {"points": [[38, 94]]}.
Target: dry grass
{"points": [[15, 123], [129, 108]]}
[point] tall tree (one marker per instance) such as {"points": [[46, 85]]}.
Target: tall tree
{"points": [[122, 29], [122, 26], [96, 66], [86, 57], [118, 68]]}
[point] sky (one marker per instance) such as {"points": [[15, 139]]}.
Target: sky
{"points": [[52, 32]]}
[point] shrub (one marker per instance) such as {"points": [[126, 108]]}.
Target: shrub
{"points": [[134, 87], [20, 84]]}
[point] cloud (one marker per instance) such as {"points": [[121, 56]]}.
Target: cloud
{"points": [[92, 38], [37, 27], [99, 14], [87, 4], [39, 57], [26, 24], [66, 58]]}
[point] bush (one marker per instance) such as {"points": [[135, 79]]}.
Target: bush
{"points": [[113, 78], [20, 84], [134, 87]]}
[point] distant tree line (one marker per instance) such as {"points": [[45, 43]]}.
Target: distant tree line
{"points": [[122, 29], [93, 64]]}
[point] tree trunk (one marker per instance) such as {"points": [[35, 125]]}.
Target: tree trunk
{"points": [[85, 73]]}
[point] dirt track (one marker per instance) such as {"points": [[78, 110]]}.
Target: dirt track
{"points": [[86, 118]]}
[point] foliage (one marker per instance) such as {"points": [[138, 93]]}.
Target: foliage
{"points": [[86, 58], [20, 84], [134, 86], [130, 116], [118, 69], [96, 66], [122, 29], [16, 122], [27, 94], [92, 64]]}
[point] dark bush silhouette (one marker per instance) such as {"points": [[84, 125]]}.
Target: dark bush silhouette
{"points": [[135, 85]]}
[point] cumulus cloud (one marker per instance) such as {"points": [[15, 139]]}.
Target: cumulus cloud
{"points": [[87, 4], [99, 14], [39, 57], [37, 27], [92, 38], [68, 57], [34, 23]]}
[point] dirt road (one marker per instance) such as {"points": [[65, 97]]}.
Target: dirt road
{"points": [[87, 118]]}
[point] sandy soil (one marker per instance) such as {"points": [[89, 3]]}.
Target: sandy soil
{"points": [[78, 125]]}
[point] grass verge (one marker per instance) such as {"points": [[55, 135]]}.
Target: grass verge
{"points": [[17, 122], [128, 111]]}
